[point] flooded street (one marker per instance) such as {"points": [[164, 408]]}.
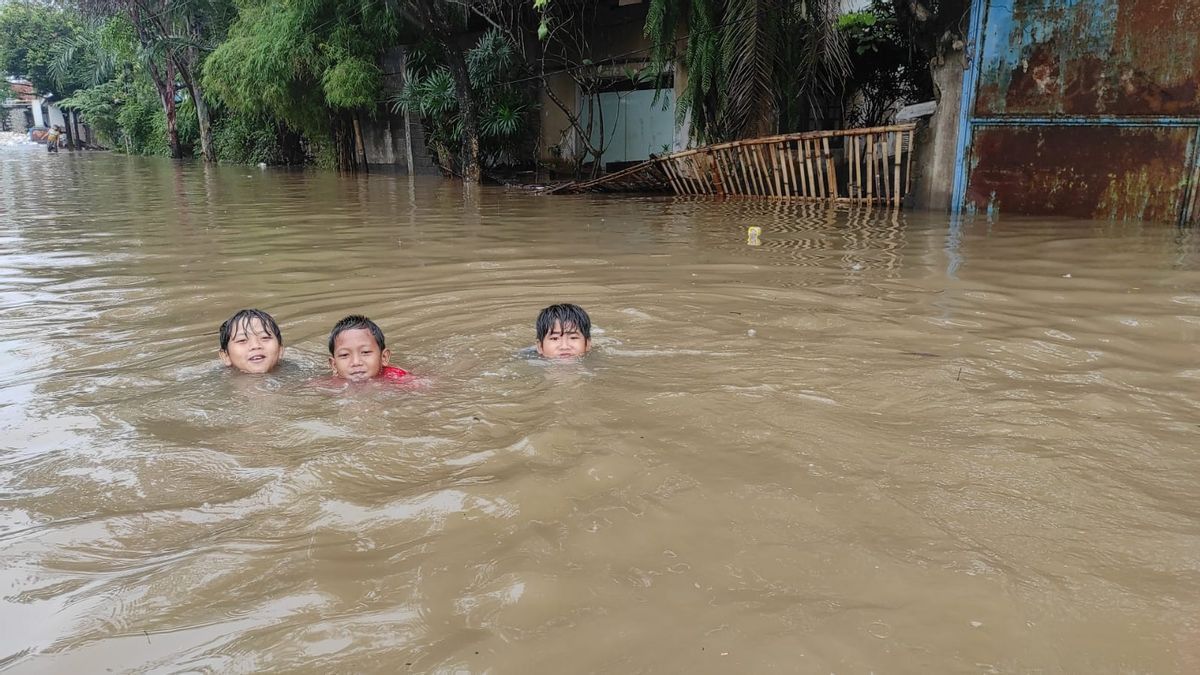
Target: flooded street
{"points": [[874, 443]]}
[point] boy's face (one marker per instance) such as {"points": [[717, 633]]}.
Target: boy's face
{"points": [[563, 342], [252, 348], [356, 356]]}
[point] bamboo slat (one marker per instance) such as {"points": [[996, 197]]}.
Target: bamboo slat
{"points": [[830, 169], [878, 168], [785, 178], [669, 169], [885, 166], [912, 138], [748, 160], [896, 183], [808, 168], [851, 151], [870, 166], [764, 165], [734, 156], [814, 146], [715, 175], [686, 171]]}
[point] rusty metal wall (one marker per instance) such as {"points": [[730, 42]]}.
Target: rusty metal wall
{"points": [[1085, 108]]}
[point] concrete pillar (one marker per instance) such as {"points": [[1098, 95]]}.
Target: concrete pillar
{"points": [[38, 120], [934, 165]]}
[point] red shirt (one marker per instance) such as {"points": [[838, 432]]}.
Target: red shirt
{"points": [[391, 373]]}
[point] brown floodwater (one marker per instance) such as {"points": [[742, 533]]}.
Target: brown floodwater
{"points": [[876, 442]]}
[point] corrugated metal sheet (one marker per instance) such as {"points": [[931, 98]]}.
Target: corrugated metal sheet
{"points": [[1085, 108]]}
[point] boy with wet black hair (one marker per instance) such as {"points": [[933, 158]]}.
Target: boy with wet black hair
{"points": [[358, 351], [563, 332], [250, 342]]}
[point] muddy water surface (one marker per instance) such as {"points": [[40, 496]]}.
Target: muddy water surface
{"points": [[874, 443]]}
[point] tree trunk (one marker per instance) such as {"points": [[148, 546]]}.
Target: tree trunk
{"points": [[164, 84], [361, 144], [205, 123], [187, 69], [169, 108], [67, 129], [78, 136], [342, 133], [471, 170]]}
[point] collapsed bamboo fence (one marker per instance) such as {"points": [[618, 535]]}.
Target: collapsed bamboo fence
{"points": [[848, 165]]}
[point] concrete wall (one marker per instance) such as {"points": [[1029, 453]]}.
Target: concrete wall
{"points": [[386, 135], [56, 116], [616, 35], [17, 120], [934, 163]]}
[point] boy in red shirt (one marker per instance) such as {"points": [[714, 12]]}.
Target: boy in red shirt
{"points": [[358, 352]]}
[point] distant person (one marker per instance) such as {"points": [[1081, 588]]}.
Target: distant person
{"points": [[53, 134], [563, 332], [358, 351], [251, 342]]}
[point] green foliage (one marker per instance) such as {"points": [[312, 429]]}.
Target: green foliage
{"points": [[754, 66], [100, 106], [142, 122], [29, 33], [505, 107], [300, 60], [886, 71], [247, 139]]}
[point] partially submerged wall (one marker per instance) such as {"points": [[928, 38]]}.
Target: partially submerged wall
{"points": [[934, 165], [388, 139]]}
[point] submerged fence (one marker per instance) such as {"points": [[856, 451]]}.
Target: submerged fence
{"points": [[850, 165]]}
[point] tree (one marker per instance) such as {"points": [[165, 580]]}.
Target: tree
{"points": [[887, 71], [504, 107], [754, 66], [310, 63], [29, 33], [443, 22]]}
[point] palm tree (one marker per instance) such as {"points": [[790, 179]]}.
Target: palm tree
{"points": [[754, 67]]}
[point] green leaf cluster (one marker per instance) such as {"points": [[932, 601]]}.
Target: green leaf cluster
{"points": [[502, 96], [754, 66], [886, 70], [299, 60], [29, 36]]}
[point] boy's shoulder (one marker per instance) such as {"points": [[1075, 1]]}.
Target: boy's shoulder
{"points": [[392, 373]]}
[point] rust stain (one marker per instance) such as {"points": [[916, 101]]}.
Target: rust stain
{"points": [[1082, 172], [1091, 57]]}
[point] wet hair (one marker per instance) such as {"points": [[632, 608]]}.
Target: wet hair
{"points": [[243, 317], [355, 322], [566, 316]]}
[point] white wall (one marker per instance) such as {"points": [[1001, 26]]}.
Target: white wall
{"points": [[56, 116]]}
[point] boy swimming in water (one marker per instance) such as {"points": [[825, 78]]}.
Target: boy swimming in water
{"points": [[563, 332], [357, 351], [251, 342]]}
